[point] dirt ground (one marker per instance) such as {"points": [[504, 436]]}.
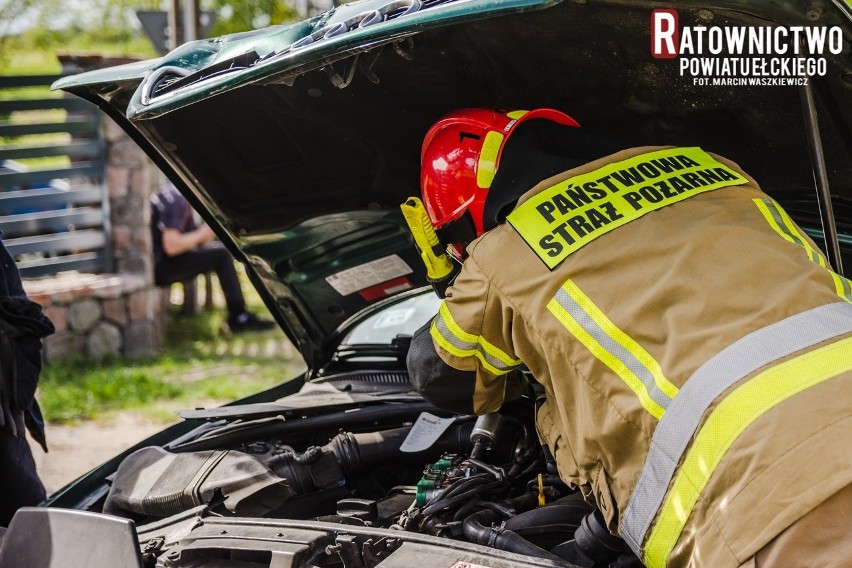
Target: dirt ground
{"points": [[75, 450]]}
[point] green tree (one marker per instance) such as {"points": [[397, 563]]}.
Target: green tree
{"points": [[33, 31], [234, 16], [12, 14], [48, 26]]}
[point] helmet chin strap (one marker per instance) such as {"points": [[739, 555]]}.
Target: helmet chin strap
{"points": [[461, 230], [537, 150]]}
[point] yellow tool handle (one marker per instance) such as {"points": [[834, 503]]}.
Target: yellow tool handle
{"points": [[438, 263]]}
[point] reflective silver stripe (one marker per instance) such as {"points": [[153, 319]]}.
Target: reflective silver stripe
{"points": [[614, 348], [680, 422], [451, 338], [470, 347]]}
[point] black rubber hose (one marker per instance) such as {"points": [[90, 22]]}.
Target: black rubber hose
{"points": [[356, 451], [434, 507], [477, 529], [463, 511], [497, 472], [463, 484], [512, 542], [459, 485], [553, 515]]}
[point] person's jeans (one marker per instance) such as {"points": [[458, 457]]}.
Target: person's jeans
{"points": [[191, 264]]}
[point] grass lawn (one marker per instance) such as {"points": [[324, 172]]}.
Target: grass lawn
{"points": [[202, 364]]}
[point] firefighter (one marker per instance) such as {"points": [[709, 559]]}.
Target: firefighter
{"points": [[693, 344]]}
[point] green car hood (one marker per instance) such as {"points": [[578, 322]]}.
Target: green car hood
{"points": [[298, 143]]}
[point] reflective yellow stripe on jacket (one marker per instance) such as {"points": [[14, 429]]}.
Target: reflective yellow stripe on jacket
{"points": [[456, 341], [727, 421], [651, 497], [613, 347], [781, 222]]}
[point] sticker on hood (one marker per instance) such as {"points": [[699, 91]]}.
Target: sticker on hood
{"points": [[369, 274]]}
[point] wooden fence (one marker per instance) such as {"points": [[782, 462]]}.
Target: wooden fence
{"points": [[54, 207]]}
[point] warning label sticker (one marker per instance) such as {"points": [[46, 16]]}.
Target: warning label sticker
{"points": [[369, 274], [425, 432]]}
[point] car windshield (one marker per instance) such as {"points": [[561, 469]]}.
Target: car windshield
{"points": [[403, 318]]}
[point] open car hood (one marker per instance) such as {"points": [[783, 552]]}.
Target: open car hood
{"points": [[298, 143]]}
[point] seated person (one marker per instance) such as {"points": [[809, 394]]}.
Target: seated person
{"points": [[180, 254]]}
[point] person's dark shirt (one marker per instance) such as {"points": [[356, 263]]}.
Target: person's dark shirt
{"points": [[169, 210], [22, 327]]}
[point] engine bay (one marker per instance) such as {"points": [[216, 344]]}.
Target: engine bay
{"points": [[359, 485]]}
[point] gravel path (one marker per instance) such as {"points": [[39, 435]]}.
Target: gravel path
{"points": [[75, 450]]}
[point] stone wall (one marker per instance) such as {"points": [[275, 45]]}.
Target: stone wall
{"points": [[131, 178], [98, 314], [119, 313]]}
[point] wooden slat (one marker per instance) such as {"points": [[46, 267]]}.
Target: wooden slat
{"points": [[84, 262], [62, 103], [76, 149], [73, 126], [86, 169], [60, 242], [14, 81], [35, 222], [50, 197], [49, 221]]}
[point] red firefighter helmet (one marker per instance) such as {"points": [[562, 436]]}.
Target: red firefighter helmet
{"points": [[460, 155]]}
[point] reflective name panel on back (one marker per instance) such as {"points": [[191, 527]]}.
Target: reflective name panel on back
{"points": [[569, 215]]}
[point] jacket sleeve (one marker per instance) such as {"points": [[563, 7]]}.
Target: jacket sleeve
{"points": [[465, 362], [437, 382]]}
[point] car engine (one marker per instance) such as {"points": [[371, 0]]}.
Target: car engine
{"points": [[359, 486]]}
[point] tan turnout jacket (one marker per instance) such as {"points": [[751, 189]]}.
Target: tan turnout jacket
{"points": [[617, 328]]}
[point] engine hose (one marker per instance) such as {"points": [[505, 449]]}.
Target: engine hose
{"points": [[500, 509], [527, 435], [329, 465], [355, 451], [461, 497], [474, 485], [477, 529], [495, 471], [595, 540], [311, 455], [464, 489], [536, 464], [465, 510], [460, 485]]}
